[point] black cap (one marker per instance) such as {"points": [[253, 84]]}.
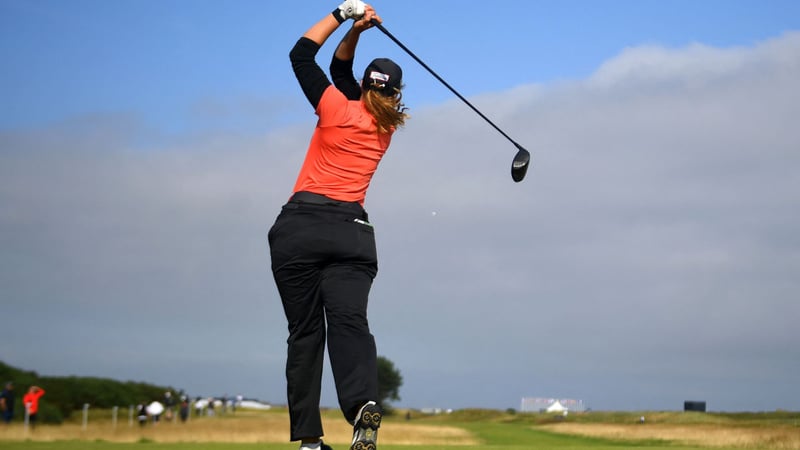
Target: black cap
{"points": [[382, 75]]}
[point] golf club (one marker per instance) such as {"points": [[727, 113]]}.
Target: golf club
{"points": [[519, 166]]}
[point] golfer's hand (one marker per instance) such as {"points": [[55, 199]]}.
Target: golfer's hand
{"points": [[352, 9], [365, 22]]}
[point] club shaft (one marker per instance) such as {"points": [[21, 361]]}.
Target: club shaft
{"points": [[441, 80]]}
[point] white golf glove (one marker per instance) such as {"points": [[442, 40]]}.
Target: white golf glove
{"points": [[352, 9]]}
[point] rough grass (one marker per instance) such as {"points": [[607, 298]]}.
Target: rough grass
{"points": [[779, 430], [699, 435], [244, 427]]}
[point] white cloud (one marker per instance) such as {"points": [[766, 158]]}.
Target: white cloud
{"points": [[697, 64]]}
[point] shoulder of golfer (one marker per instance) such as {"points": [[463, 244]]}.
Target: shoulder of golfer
{"points": [[312, 79]]}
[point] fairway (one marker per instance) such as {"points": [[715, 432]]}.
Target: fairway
{"points": [[467, 429]]}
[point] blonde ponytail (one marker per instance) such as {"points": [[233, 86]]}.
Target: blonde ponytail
{"points": [[388, 111]]}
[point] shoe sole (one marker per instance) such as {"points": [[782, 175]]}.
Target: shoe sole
{"points": [[366, 429]]}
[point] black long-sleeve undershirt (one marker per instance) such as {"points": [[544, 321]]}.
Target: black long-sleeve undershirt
{"points": [[312, 78], [343, 79]]}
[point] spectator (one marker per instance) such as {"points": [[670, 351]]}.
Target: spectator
{"points": [[198, 406], [184, 409], [155, 410], [7, 402], [238, 402], [210, 410], [169, 405], [142, 414], [31, 401]]}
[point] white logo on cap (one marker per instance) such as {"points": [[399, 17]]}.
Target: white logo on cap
{"points": [[378, 76]]}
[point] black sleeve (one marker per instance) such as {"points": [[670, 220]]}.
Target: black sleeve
{"points": [[343, 78], [312, 78]]}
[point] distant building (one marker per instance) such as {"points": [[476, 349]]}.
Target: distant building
{"points": [[551, 404]]}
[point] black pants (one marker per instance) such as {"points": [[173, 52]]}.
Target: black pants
{"points": [[324, 260]]}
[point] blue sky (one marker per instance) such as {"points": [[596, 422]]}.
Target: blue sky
{"points": [[649, 257], [164, 61]]}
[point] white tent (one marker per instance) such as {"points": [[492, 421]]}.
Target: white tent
{"points": [[556, 407]]}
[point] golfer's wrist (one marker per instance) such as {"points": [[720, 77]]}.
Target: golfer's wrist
{"points": [[337, 14]]}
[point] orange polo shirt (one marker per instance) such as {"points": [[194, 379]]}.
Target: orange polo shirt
{"points": [[344, 151]]}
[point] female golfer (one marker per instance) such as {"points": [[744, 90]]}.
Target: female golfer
{"points": [[322, 244]]}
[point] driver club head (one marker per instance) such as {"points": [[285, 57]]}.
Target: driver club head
{"points": [[519, 167]]}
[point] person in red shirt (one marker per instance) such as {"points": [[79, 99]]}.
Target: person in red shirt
{"points": [[31, 402], [322, 245]]}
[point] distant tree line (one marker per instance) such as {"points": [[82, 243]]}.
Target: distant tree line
{"points": [[68, 394]]}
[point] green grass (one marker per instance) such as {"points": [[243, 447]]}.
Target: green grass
{"points": [[501, 435]]}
